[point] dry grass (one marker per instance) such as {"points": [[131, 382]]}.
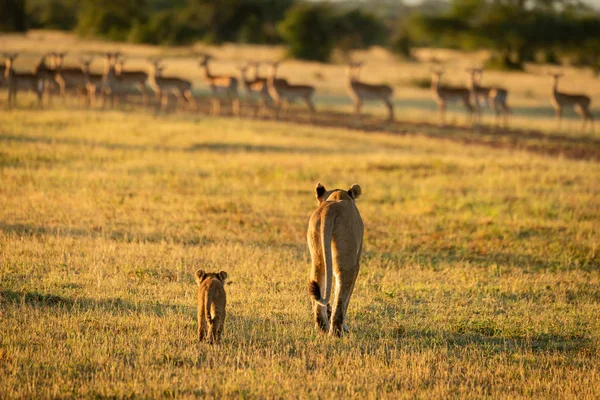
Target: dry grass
{"points": [[479, 278]]}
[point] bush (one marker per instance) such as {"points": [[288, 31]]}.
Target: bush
{"points": [[421, 83], [165, 28], [357, 29], [402, 44], [547, 57], [112, 19], [251, 31], [305, 30], [52, 14], [13, 16], [503, 63]]}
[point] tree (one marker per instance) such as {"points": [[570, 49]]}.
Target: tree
{"points": [[52, 14], [514, 29], [110, 18], [13, 16], [305, 29], [357, 29], [231, 20]]}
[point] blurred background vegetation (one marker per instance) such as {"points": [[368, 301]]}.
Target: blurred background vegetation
{"points": [[516, 31]]}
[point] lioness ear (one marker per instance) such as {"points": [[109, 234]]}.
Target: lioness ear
{"points": [[355, 191], [222, 276], [199, 276], [320, 191]]}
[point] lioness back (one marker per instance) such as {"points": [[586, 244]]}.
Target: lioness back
{"points": [[335, 236]]}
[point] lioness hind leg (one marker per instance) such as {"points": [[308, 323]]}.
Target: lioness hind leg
{"points": [[201, 323], [218, 327], [337, 321], [212, 332], [215, 330], [342, 299], [322, 314], [347, 301], [346, 329]]}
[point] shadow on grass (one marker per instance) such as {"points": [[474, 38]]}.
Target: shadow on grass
{"points": [[496, 259], [221, 147], [28, 230], [279, 334], [493, 342], [22, 230], [499, 342], [114, 306], [252, 148]]}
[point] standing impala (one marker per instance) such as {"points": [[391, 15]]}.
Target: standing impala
{"points": [[221, 84], [360, 91], [494, 97], [93, 81], [580, 102], [68, 77], [284, 93], [256, 87], [443, 94], [23, 81], [163, 86], [110, 85], [135, 78]]}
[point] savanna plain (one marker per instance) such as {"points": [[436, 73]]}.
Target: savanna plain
{"points": [[480, 274]]}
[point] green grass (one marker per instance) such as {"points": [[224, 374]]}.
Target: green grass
{"points": [[479, 278]]}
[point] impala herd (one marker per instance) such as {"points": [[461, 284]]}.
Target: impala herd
{"points": [[267, 94]]}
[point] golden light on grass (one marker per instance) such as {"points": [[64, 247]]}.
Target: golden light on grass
{"points": [[479, 275]]}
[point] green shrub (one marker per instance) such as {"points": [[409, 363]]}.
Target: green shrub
{"points": [[52, 14], [402, 44], [305, 29], [503, 63], [357, 29], [13, 16], [421, 83], [112, 19]]}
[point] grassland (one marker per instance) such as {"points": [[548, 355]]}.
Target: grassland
{"points": [[529, 90], [480, 275]]}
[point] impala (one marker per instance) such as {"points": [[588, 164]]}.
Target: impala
{"points": [[110, 86], [163, 86], [443, 94], [68, 77], [580, 102], [494, 97], [257, 76], [93, 81], [360, 91], [283, 93], [257, 86], [220, 84], [130, 78], [23, 81]]}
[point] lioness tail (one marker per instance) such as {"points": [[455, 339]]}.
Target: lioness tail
{"points": [[315, 292]]}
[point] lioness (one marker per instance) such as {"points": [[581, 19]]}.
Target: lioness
{"points": [[211, 305], [335, 236]]}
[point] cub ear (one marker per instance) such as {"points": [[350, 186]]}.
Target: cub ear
{"points": [[355, 191], [199, 276], [222, 276], [320, 191]]}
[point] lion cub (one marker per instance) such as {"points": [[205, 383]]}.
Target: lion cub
{"points": [[211, 305]]}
